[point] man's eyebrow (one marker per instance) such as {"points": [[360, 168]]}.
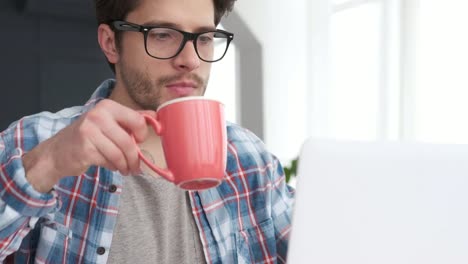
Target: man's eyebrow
{"points": [[155, 23]]}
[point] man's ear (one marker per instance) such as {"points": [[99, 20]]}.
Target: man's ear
{"points": [[107, 42]]}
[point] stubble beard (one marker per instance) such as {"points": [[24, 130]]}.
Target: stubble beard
{"points": [[148, 93], [144, 92]]}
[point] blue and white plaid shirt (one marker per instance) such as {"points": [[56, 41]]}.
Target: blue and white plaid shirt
{"points": [[246, 219]]}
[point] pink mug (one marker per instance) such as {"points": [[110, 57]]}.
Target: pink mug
{"points": [[193, 137]]}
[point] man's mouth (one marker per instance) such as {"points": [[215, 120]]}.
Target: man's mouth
{"points": [[182, 88]]}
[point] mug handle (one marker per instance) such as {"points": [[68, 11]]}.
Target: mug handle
{"points": [[166, 173]]}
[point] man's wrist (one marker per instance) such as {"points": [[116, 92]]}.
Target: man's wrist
{"points": [[39, 171]]}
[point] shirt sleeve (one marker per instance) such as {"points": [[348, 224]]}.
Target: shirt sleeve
{"points": [[20, 204]]}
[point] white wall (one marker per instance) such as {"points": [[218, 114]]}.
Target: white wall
{"points": [[281, 27]]}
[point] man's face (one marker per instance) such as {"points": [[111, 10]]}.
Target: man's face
{"points": [[149, 82]]}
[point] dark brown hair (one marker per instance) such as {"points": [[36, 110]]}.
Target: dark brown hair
{"points": [[109, 10]]}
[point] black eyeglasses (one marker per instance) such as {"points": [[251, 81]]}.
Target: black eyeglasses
{"points": [[166, 43]]}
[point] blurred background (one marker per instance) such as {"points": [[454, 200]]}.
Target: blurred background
{"points": [[344, 69]]}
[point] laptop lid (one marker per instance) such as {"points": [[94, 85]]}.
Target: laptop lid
{"points": [[360, 202]]}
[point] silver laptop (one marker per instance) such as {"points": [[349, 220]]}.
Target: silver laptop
{"points": [[380, 203]]}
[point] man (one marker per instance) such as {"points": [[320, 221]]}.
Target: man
{"points": [[66, 190]]}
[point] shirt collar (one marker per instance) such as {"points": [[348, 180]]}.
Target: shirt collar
{"points": [[102, 92]]}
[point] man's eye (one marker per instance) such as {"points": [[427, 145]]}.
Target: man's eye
{"points": [[161, 36], [205, 38]]}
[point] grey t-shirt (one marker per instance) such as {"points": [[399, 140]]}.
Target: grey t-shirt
{"points": [[155, 224]]}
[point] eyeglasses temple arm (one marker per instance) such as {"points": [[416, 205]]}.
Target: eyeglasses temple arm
{"points": [[126, 26]]}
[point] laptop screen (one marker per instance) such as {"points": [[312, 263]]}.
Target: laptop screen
{"points": [[359, 202]]}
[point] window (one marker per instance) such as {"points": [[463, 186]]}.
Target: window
{"points": [[438, 96], [355, 70], [397, 71]]}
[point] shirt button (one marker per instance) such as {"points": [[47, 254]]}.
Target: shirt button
{"points": [[101, 250], [112, 188]]}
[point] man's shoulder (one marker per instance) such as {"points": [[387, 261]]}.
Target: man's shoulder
{"points": [[65, 115], [40, 126], [246, 148], [237, 134]]}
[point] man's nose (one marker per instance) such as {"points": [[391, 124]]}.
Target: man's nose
{"points": [[187, 59]]}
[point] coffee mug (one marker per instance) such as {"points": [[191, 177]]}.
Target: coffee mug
{"points": [[193, 137]]}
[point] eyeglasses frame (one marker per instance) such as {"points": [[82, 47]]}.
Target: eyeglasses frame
{"points": [[128, 26]]}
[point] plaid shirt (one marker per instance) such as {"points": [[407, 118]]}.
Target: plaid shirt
{"points": [[246, 219]]}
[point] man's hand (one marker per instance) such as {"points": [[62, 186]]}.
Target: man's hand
{"points": [[100, 137]]}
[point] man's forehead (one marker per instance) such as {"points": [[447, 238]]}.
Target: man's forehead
{"points": [[185, 14]]}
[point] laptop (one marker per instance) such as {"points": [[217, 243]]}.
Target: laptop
{"points": [[380, 203]]}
